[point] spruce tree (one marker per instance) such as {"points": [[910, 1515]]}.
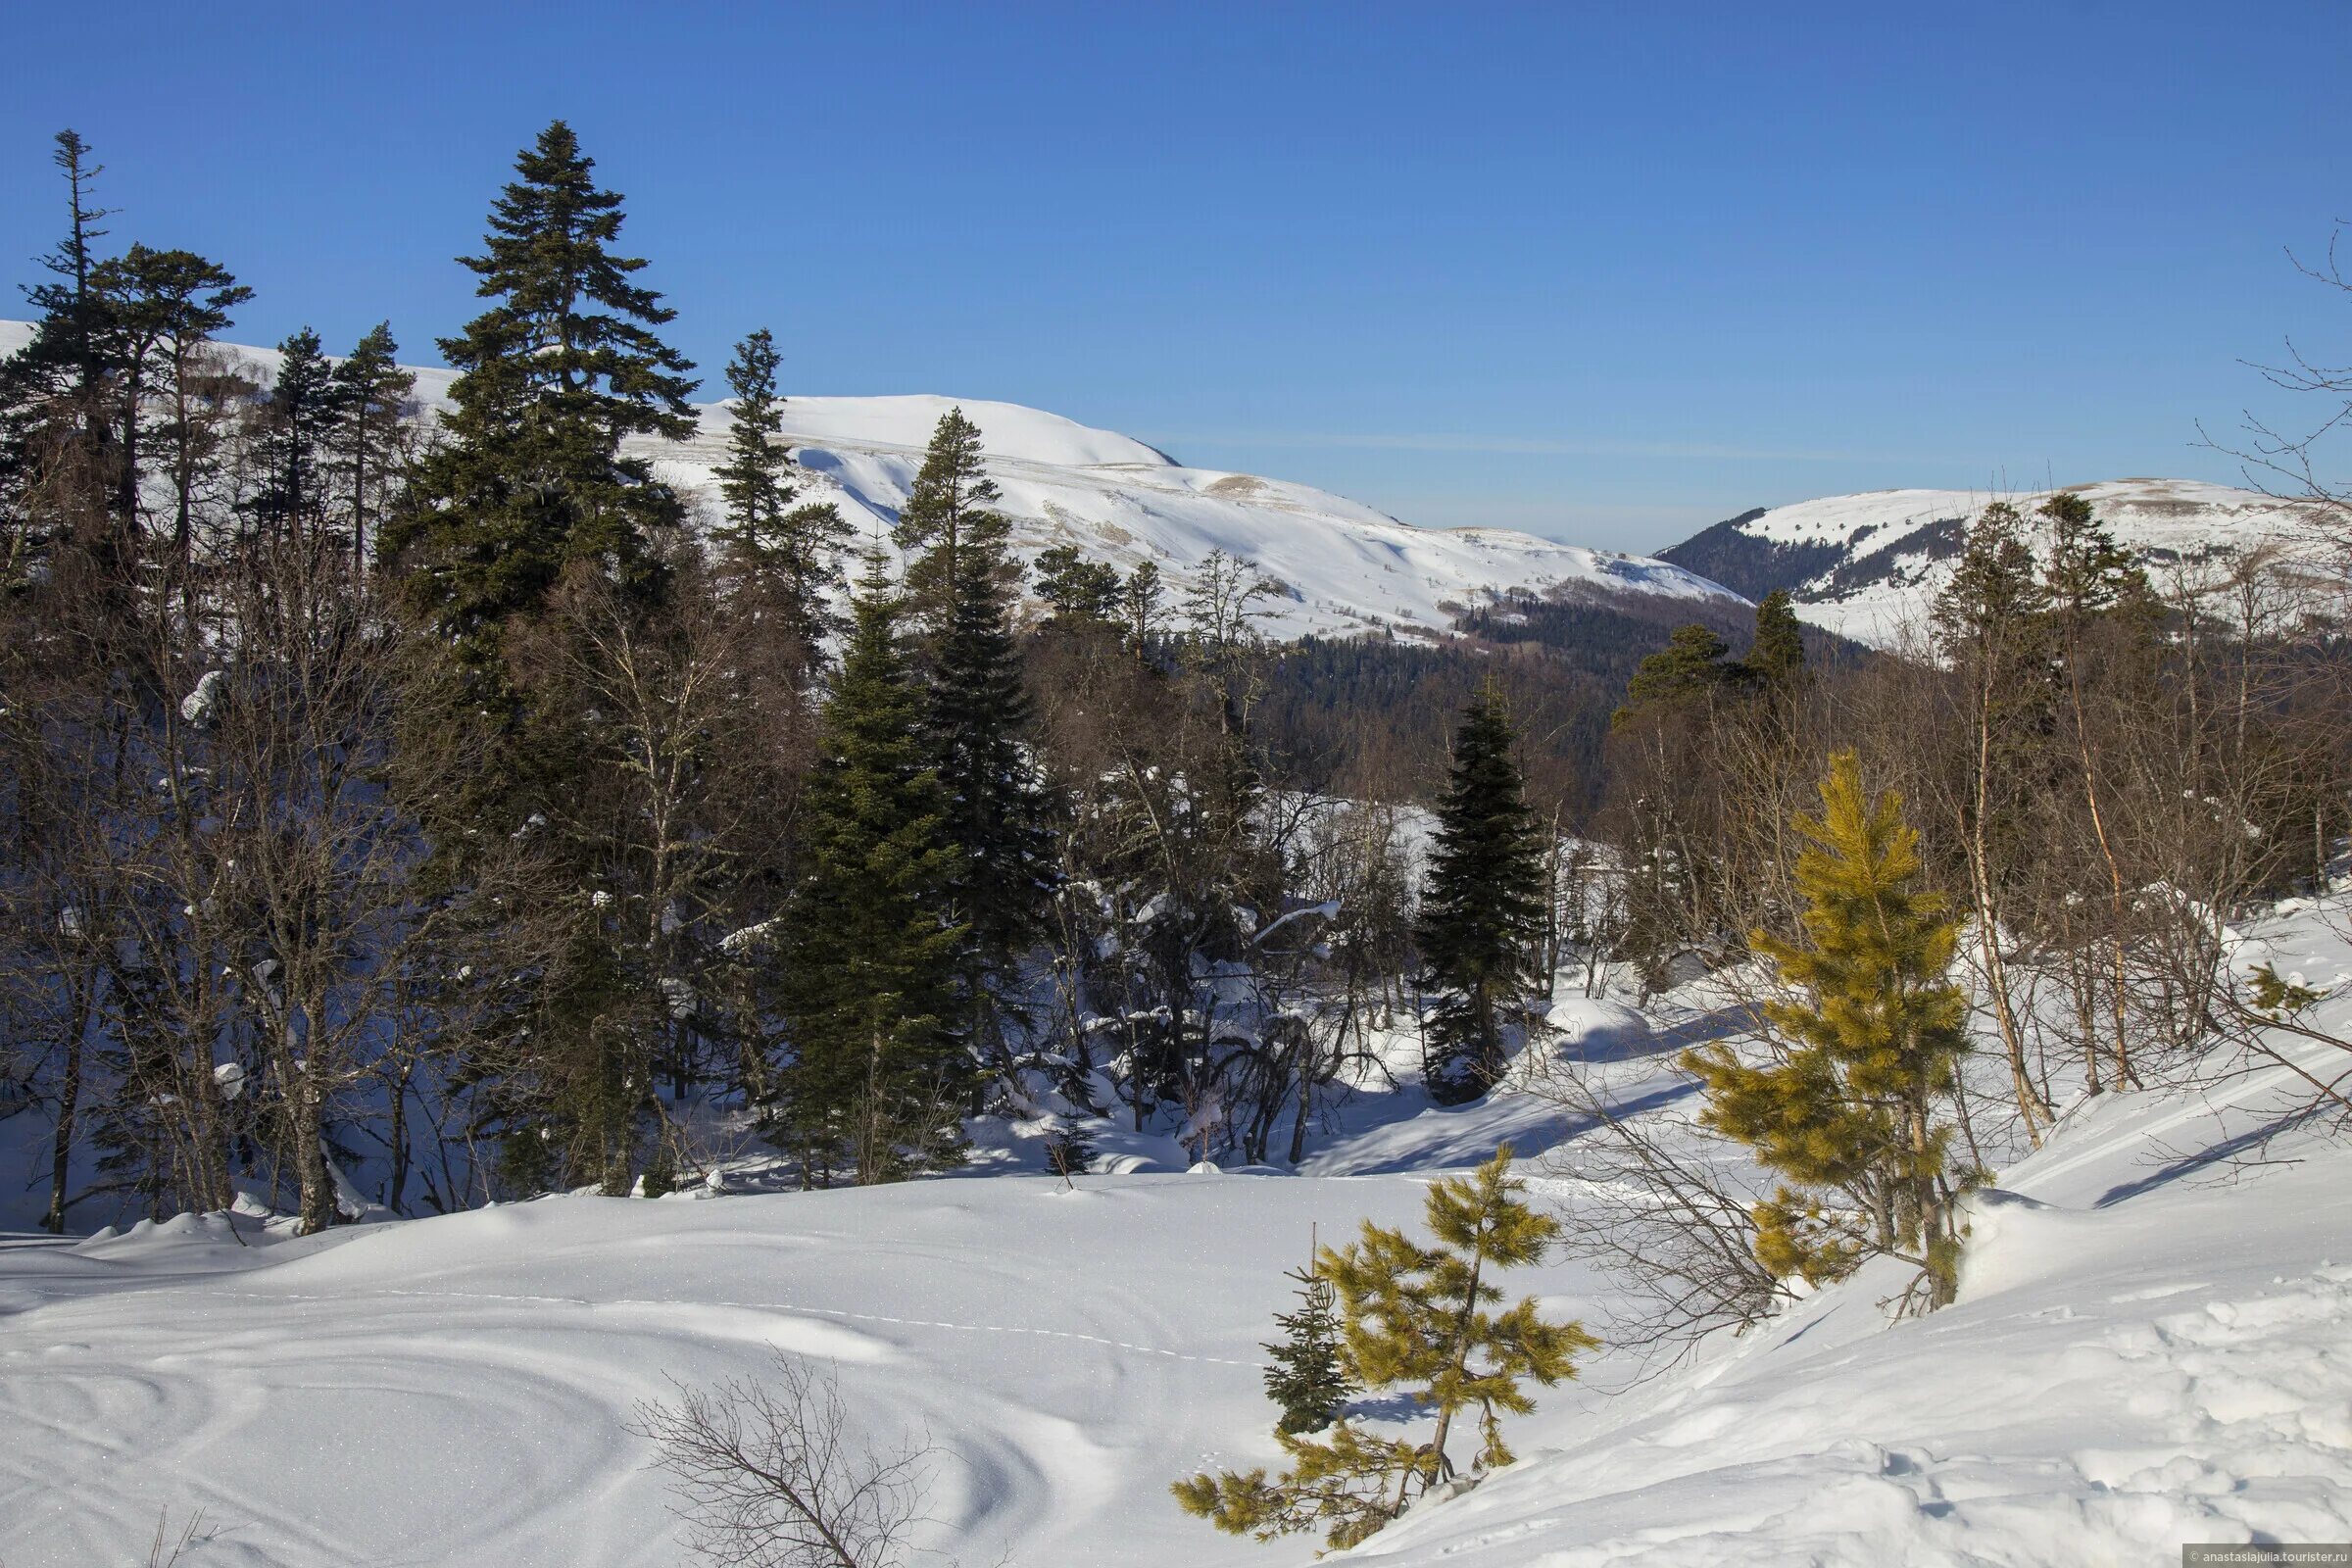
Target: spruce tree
{"points": [[1868, 1045], [372, 393], [948, 528], [960, 592], [751, 480], [2097, 590], [1777, 660], [1990, 623], [299, 420], [2089, 573], [551, 378], [878, 1077], [976, 712], [1420, 1317], [162, 308], [529, 484], [1992, 591], [1140, 612], [1308, 1375], [1482, 907], [785, 559]]}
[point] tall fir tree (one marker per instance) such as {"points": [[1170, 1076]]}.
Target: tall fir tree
{"points": [[298, 420], [784, 559], [2088, 573], [1141, 614], [1871, 1038], [1990, 623], [162, 309], [2096, 591], [1482, 907], [529, 484], [959, 589], [877, 1078], [372, 394], [1777, 662], [1077, 592], [948, 528], [551, 379], [976, 711]]}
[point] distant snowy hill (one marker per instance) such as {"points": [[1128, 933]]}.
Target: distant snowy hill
{"points": [[1344, 567], [1864, 566]]}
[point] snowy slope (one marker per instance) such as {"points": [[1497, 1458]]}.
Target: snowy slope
{"points": [[2152, 1344], [1866, 565], [1346, 567], [2151, 1347]]}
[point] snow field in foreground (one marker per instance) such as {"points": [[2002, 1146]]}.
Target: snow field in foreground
{"points": [[2152, 1344]]}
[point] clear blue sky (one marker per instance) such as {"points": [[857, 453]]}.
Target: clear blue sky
{"points": [[1606, 273]]}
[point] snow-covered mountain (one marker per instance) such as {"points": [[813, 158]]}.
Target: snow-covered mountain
{"points": [[1344, 567], [1866, 565]]}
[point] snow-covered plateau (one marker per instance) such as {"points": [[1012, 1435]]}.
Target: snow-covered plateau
{"points": [[2152, 1344]]}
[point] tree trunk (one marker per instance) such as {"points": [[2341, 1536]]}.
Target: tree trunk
{"points": [[1996, 973], [69, 1102]]}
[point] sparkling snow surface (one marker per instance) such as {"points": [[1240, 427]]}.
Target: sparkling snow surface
{"points": [[2153, 1344]]}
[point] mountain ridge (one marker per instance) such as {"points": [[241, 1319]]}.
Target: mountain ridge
{"points": [[1869, 564], [1342, 567]]}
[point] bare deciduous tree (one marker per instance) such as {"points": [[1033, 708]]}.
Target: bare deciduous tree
{"points": [[767, 1474]]}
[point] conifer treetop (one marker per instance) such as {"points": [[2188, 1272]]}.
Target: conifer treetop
{"points": [[547, 258]]}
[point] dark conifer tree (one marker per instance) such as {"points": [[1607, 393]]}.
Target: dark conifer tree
{"points": [[1678, 676], [1077, 591], [947, 528], [52, 391], [1777, 662], [1139, 608], [298, 420], [960, 592], [877, 1078], [551, 379], [1482, 907], [531, 484], [785, 557], [162, 308], [1306, 1375], [976, 711], [751, 480], [371, 395]]}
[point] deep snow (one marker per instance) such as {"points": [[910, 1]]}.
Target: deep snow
{"points": [[2153, 1344]]}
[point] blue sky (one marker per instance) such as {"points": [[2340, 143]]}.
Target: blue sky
{"points": [[1602, 272]]}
